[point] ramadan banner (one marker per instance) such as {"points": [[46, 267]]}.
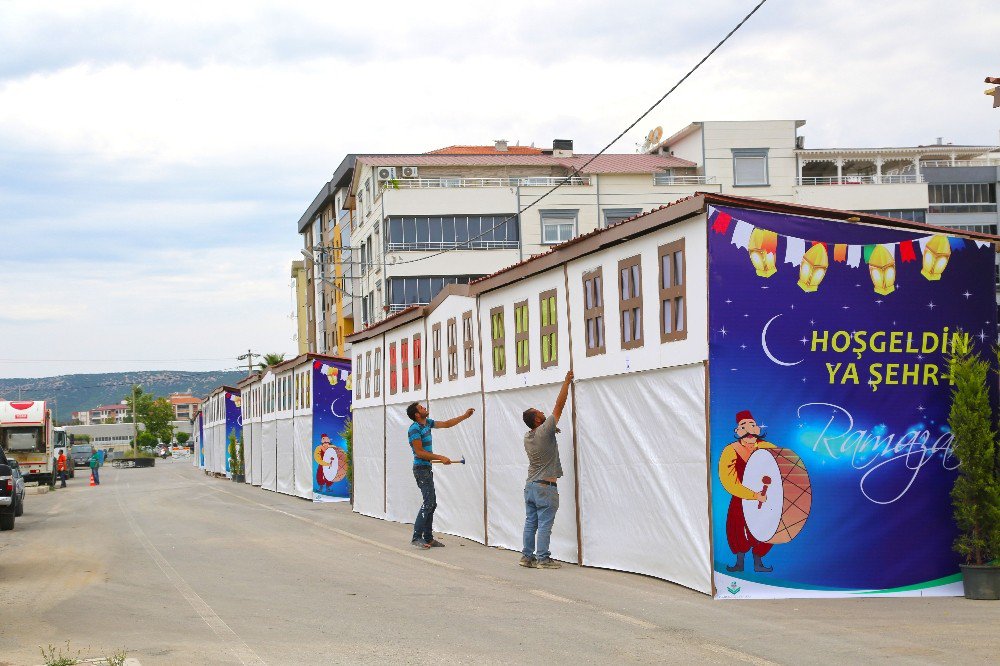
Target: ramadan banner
{"points": [[831, 455], [234, 423], [331, 410]]}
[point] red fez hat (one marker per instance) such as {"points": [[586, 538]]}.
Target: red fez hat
{"points": [[742, 416]]}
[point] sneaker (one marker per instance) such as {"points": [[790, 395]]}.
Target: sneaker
{"points": [[548, 563], [528, 562], [434, 543], [417, 543]]}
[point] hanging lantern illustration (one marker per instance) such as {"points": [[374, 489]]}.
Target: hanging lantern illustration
{"points": [[813, 269], [763, 248], [882, 267], [937, 252]]}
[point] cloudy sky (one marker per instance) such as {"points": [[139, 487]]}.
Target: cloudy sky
{"points": [[155, 157]]}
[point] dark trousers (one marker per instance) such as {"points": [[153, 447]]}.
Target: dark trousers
{"points": [[423, 526], [97, 477], [62, 477]]}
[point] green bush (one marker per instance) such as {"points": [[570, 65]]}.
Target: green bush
{"points": [[348, 434]]}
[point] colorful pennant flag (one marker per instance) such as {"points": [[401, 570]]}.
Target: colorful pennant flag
{"points": [[722, 221], [868, 252], [795, 249], [840, 253], [906, 253]]}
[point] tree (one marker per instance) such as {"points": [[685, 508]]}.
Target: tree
{"points": [[146, 440], [269, 360], [109, 420], [182, 438], [154, 413]]}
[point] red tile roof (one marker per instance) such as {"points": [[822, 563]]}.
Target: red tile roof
{"points": [[618, 163], [486, 150]]}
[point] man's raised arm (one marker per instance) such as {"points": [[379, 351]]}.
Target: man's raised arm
{"points": [[455, 421], [563, 394]]}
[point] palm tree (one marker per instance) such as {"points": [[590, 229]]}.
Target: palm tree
{"points": [[269, 360]]}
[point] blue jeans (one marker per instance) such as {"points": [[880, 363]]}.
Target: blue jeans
{"points": [[423, 526], [97, 478], [540, 503]]}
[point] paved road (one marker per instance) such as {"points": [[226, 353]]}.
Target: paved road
{"points": [[183, 569]]}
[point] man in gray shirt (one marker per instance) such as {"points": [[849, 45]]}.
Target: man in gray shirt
{"points": [[541, 494]]}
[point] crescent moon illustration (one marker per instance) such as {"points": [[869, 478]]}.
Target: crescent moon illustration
{"points": [[763, 344], [334, 411]]}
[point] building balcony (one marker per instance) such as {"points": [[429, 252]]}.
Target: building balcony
{"points": [[884, 179], [674, 179], [985, 162], [533, 181]]}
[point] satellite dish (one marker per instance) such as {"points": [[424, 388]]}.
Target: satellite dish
{"points": [[656, 135]]}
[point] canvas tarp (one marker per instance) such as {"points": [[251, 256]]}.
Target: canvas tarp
{"points": [[247, 452], [303, 456], [459, 488], [507, 469], [286, 474], [369, 461], [402, 495], [644, 498], [268, 441], [256, 478]]}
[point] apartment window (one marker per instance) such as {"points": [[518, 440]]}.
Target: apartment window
{"points": [[407, 291], [392, 368], [368, 374], [750, 167], [468, 356], [497, 336], [436, 342], [593, 311], [616, 215], [404, 361], [417, 359], [673, 288], [548, 330], [558, 225], [523, 361], [378, 371], [911, 214], [630, 301], [437, 232], [368, 194], [357, 377], [452, 349], [962, 198]]}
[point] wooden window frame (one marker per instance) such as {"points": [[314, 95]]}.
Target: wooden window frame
{"points": [[368, 374], [631, 305], [436, 342], [452, 332], [358, 371], [418, 359], [522, 337], [674, 296], [548, 311], [468, 351], [377, 372], [498, 344], [393, 373], [404, 365], [595, 313]]}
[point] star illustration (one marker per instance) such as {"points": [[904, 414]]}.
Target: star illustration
{"points": [[982, 336], [920, 408], [931, 305], [812, 322], [728, 301], [746, 315], [966, 294], [878, 302], [803, 379], [723, 331], [920, 357], [743, 346], [845, 307], [764, 286], [804, 340]]}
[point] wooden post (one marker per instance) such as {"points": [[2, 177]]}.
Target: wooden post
{"points": [[576, 453]]}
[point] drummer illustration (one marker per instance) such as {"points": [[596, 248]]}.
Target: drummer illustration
{"points": [[771, 494], [331, 461]]}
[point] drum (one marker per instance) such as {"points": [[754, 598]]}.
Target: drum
{"points": [[781, 475], [336, 469]]}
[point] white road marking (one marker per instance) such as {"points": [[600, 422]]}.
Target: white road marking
{"points": [[628, 619], [737, 655], [232, 640], [551, 597]]}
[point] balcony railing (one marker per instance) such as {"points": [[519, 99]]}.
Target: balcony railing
{"points": [[399, 307], [667, 179], [431, 246], [534, 181], [961, 163], [884, 179]]}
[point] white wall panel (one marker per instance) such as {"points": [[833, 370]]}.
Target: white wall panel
{"points": [[286, 473], [269, 455], [369, 461], [459, 488], [402, 496], [256, 477], [302, 453]]}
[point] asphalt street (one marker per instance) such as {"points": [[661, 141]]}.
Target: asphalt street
{"points": [[180, 568]]}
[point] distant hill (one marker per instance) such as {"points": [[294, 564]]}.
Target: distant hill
{"points": [[74, 393]]}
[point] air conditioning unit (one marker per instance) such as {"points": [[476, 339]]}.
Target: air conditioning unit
{"points": [[386, 173], [410, 172]]}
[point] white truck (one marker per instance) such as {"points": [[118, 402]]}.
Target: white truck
{"points": [[27, 436]]}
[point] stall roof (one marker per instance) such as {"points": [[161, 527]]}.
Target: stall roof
{"points": [[284, 365]]}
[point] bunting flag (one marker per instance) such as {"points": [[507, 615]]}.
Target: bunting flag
{"points": [[868, 252], [906, 253], [741, 236], [795, 249], [854, 256], [957, 244], [840, 253], [721, 224]]}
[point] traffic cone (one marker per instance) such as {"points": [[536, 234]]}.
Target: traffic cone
{"points": [[92, 479]]}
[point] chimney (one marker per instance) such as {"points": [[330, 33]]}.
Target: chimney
{"points": [[562, 147], [500, 145]]}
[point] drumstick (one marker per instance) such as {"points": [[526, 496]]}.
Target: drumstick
{"points": [[456, 462], [763, 491]]}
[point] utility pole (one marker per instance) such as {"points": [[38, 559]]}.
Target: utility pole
{"points": [[248, 357], [135, 418]]}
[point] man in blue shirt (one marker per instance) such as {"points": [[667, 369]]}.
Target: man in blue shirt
{"points": [[421, 441]]}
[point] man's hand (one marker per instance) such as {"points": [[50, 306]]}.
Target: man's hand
{"points": [[760, 497], [445, 460], [569, 377], [469, 412]]}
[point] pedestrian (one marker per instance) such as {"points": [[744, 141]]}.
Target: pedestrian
{"points": [[541, 494], [421, 442], [95, 462], [61, 467]]}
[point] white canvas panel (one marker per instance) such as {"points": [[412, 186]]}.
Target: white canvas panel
{"points": [[459, 488], [256, 477], [507, 469], [247, 451], [402, 495], [286, 470], [369, 461], [302, 453], [644, 499], [269, 454]]}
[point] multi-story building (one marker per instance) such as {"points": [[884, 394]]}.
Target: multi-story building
{"points": [[300, 281], [185, 406], [107, 414]]}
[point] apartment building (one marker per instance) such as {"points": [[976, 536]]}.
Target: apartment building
{"points": [[185, 406]]}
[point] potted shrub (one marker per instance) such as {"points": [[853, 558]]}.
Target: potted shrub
{"points": [[236, 458], [976, 495]]}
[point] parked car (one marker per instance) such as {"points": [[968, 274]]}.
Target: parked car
{"points": [[11, 492], [80, 454]]}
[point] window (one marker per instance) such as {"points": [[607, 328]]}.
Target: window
{"points": [[523, 362], [468, 355], [593, 311], [404, 361], [497, 336], [749, 167], [452, 350], [673, 285], [548, 330], [436, 341], [368, 374], [407, 291], [962, 198], [630, 301], [911, 214], [616, 215], [392, 368], [437, 232], [357, 378], [417, 368], [378, 371], [558, 225]]}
